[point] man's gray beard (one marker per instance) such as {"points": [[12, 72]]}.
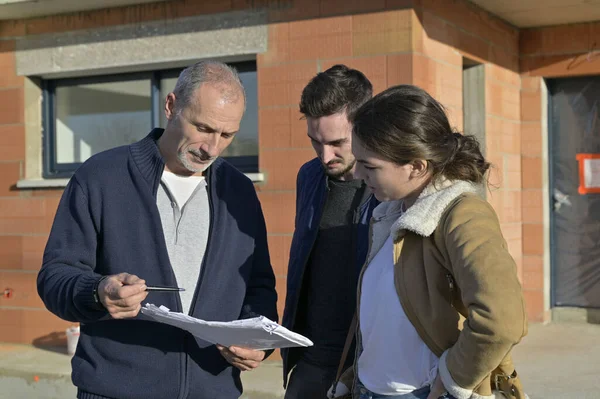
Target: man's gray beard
{"points": [[191, 166], [337, 175]]}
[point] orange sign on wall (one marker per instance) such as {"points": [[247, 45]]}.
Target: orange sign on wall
{"points": [[589, 173]]}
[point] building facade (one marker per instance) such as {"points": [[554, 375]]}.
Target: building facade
{"points": [[522, 76]]}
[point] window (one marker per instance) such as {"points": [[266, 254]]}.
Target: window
{"points": [[84, 116]]}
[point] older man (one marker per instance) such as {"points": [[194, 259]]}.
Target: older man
{"points": [[163, 211]]}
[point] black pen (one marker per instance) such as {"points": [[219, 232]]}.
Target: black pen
{"points": [[165, 289]]}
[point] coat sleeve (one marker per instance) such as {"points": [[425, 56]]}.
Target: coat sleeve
{"points": [[66, 280], [487, 277]]}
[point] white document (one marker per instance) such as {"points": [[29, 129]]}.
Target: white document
{"points": [[257, 333]]}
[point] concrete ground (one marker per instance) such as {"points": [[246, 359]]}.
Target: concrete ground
{"points": [[557, 361]]}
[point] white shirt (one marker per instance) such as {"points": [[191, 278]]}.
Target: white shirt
{"points": [[394, 359], [181, 187]]}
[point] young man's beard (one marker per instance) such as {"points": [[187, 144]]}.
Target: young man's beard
{"points": [[338, 174]]}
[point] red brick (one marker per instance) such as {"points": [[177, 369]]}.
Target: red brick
{"points": [[279, 249], [187, 8], [530, 83], [12, 110], [561, 65], [22, 207], [531, 106], [503, 75], [502, 101], [560, 39], [7, 49], [33, 251], [9, 79], [530, 41], [29, 326], [533, 263], [344, 7], [280, 211], [475, 20], [533, 210], [283, 85], [11, 253], [274, 128], [298, 128], [440, 40], [281, 167], [532, 172], [512, 231], [13, 142], [399, 69], [47, 192], [21, 226], [533, 280], [12, 27], [278, 46], [24, 290], [10, 173], [512, 206], [320, 27], [97, 18], [531, 139], [280, 286], [374, 68], [504, 133], [503, 58], [320, 47], [534, 304], [533, 239]]}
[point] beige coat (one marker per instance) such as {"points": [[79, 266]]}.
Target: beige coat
{"points": [[457, 284]]}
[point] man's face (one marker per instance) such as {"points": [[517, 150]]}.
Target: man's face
{"points": [[206, 126], [331, 138]]}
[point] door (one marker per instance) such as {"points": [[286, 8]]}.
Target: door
{"points": [[574, 128]]}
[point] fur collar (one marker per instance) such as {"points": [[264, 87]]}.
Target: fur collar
{"points": [[424, 216]]}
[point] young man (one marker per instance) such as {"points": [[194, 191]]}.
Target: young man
{"points": [[330, 239], [168, 210]]}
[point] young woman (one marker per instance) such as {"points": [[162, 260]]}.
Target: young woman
{"points": [[440, 305]]}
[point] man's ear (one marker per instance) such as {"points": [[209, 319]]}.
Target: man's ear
{"points": [[170, 106]]}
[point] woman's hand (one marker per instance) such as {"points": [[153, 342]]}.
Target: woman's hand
{"points": [[437, 389]]}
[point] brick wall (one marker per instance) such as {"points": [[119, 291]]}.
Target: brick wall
{"points": [[25, 217]]}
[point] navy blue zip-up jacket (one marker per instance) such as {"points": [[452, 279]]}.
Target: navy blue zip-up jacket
{"points": [[107, 223], [311, 193]]}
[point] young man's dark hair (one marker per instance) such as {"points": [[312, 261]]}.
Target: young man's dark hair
{"points": [[330, 239], [337, 89]]}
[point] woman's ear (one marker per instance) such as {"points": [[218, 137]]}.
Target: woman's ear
{"points": [[419, 168]]}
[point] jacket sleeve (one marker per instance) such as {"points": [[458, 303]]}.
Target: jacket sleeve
{"points": [[261, 296], [487, 277], [66, 280]]}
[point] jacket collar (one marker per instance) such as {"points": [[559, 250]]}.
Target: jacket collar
{"points": [[424, 216], [150, 163]]}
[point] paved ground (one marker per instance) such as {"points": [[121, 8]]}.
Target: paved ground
{"points": [[556, 361]]}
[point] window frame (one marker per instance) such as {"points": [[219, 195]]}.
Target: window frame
{"points": [[51, 169]]}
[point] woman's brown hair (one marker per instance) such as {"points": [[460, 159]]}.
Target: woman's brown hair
{"points": [[404, 123]]}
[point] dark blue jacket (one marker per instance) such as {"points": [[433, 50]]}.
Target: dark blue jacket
{"points": [[311, 193], [107, 222]]}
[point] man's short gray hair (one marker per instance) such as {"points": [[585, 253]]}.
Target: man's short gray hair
{"points": [[214, 72]]}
